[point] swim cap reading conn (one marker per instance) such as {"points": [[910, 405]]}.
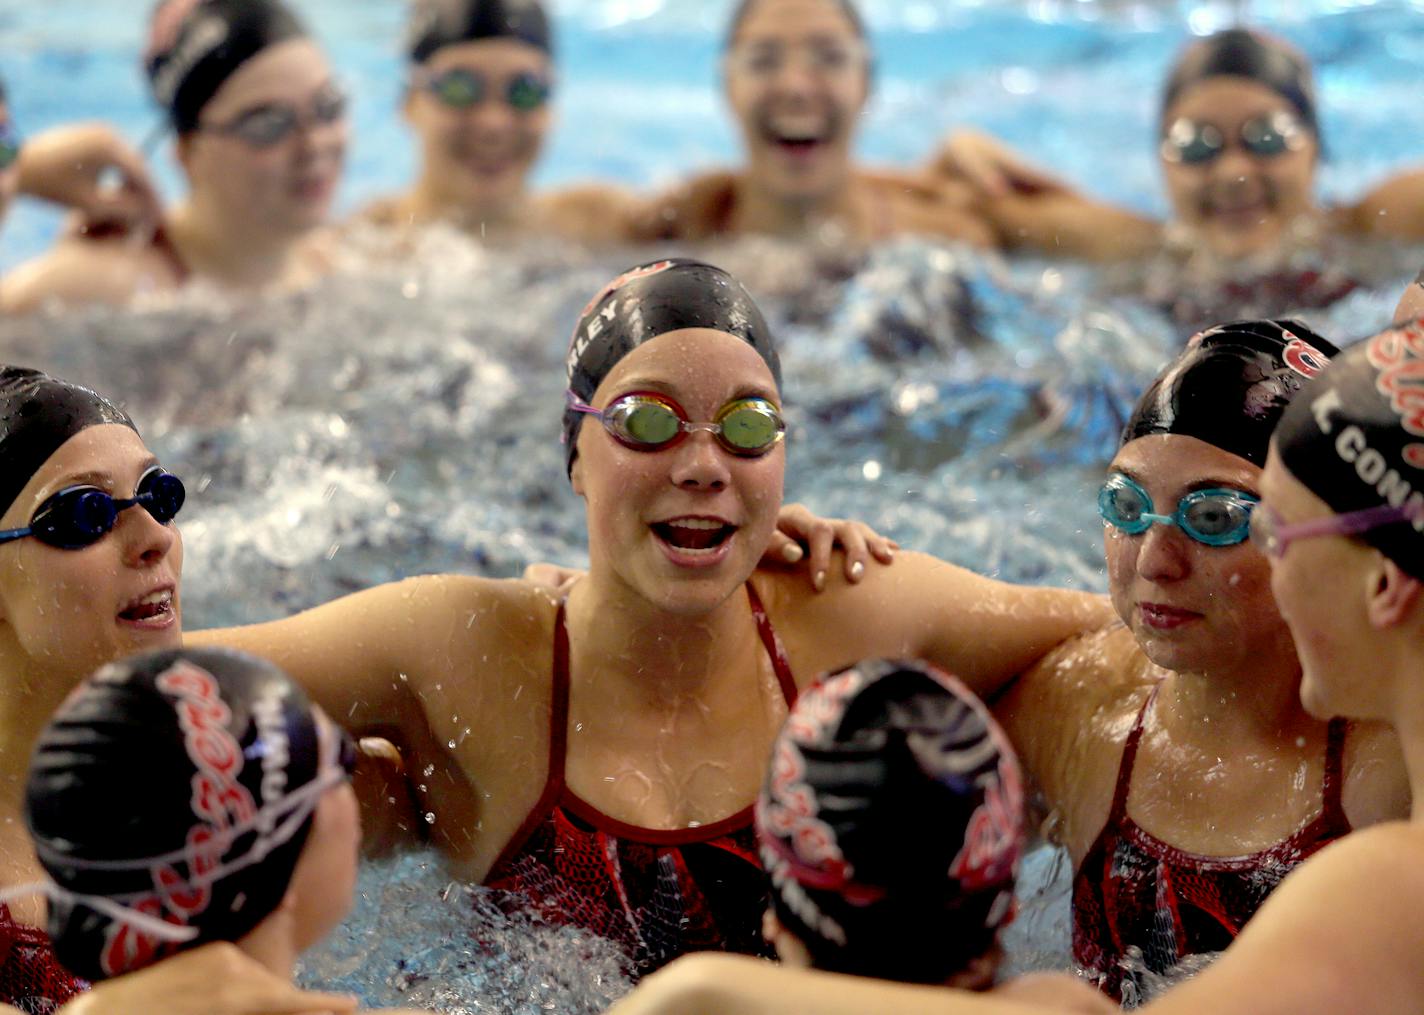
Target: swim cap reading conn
{"points": [[1237, 52], [651, 300], [891, 823], [438, 23], [169, 799], [1355, 437], [194, 46], [1230, 386], [38, 413]]}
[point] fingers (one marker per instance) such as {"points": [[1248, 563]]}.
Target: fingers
{"points": [[822, 539], [782, 550]]}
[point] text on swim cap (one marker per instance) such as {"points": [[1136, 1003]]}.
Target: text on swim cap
{"points": [[1374, 470], [207, 35], [1398, 355], [276, 754]]}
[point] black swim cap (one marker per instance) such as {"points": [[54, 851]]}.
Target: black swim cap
{"points": [[438, 23], [38, 413], [1355, 437], [1230, 386], [1237, 52], [648, 301], [891, 823], [167, 784], [196, 45]]}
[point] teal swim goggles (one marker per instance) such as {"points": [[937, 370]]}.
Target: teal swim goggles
{"points": [[1215, 517], [463, 88]]}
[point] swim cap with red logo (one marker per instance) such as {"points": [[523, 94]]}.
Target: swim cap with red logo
{"points": [[891, 823], [194, 46], [1230, 385], [651, 300], [170, 785], [1355, 437]]}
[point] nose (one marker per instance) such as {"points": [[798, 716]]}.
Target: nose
{"points": [[1234, 164], [1164, 554], [491, 114], [698, 463], [145, 540]]}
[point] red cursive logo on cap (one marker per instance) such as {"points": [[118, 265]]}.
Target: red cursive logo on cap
{"points": [[1398, 355]]}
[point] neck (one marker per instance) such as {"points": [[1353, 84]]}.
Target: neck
{"points": [[29, 695], [429, 201], [231, 250], [273, 943], [645, 658], [1259, 703], [758, 209]]}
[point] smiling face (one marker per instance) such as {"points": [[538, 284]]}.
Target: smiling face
{"points": [[284, 187], [683, 527], [1239, 203], [71, 611], [1192, 607], [797, 76], [480, 155]]}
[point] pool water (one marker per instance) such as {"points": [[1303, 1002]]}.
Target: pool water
{"points": [[402, 418]]}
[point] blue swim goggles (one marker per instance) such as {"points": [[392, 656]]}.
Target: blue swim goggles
{"points": [[1216, 517], [79, 516]]}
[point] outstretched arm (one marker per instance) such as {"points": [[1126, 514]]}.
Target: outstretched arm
{"points": [[1392, 210]]}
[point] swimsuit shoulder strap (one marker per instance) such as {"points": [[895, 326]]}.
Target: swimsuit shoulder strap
{"points": [[779, 661], [1332, 793], [558, 746], [1129, 759]]}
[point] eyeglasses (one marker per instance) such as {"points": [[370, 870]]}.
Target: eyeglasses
{"points": [[1215, 517], [645, 421], [79, 516], [462, 88], [270, 124], [9, 145], [1273, 535], [822, 58], [1193, 143]]}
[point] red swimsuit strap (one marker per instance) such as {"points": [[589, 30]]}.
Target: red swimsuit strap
{"points": [[1332, 809], [1118, 814]]}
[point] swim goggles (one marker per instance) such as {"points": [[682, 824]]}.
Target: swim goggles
{"points": [[462, 88], [1193, 143], [9, 145], [1216, 517], [79, 516], [271, 123], [647, 421], [1273, 535]]}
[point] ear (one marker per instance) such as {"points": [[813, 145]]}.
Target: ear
{"points": [[1393, 597]]}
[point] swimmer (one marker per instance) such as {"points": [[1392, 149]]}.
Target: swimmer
{"points": [[261, 138], [1239, 144], [84, 166], [89, 571], [797, 75], [891, 825], [479, 98], [183, 797], [635, 719], [1154, 741]]}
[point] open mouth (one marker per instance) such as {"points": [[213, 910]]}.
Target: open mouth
{"points": [[156, 606], [694, 535]]}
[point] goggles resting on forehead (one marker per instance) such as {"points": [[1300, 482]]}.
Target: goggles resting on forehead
{"points": [[463, 88], [79, 516], [1194, 143], [1215, 517], [648, 421], [271, 123]]}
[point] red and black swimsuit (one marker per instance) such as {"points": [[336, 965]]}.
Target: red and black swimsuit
{"points": [[658, 893], [31, 978], [1133, 890]]}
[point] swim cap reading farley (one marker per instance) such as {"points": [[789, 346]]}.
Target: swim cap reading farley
{"points": [[891, 823], [1230, 386], [170, 792], [651, 300]]}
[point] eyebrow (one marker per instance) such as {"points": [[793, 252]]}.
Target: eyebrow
{"points": [[1205, 483], [752, 390], [103, 480]]}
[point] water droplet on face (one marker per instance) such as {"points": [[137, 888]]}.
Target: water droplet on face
{"points": [[428, 771], [450, 744], [1300, 741], [430, 817]]}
